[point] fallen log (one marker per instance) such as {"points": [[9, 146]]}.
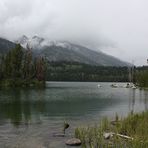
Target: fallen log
{"points": [[124, 136]]}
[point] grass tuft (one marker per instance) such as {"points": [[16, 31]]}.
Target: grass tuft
{"points": [[135, 126]]}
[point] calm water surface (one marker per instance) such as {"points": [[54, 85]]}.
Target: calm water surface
{"points": [[29, 117]]}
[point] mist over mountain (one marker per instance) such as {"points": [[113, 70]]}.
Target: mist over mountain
{"points": [[55, 51], [66, 51]]}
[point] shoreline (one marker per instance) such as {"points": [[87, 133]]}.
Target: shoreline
{"points": [[130, 131]]}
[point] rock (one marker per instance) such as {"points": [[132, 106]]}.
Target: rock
{"points": [[73, 142], [107, 135]]}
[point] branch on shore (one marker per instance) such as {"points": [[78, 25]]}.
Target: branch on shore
{"points": [[109, 135], [124, 136]]}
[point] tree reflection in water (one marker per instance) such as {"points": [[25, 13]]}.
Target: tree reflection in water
{"points": [[19, 106]]}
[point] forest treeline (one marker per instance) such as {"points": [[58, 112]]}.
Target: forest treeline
{"points": [[19, 68], [142, 76], [73, 71]]}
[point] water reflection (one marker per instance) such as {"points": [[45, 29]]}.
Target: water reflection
{"points": [[146, 99], [136, 98], [16, 105], [132, 93], [26, 106]]}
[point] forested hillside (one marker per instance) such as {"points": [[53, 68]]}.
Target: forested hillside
{"points": [[72, 71]]}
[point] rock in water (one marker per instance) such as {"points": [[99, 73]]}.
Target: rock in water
{"points": [[73, 142]]}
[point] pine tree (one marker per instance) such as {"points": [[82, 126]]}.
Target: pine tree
{"points": [[16, 61], [1, 66], [28, 66], [18, 67], [40, 69], [7, 65]]}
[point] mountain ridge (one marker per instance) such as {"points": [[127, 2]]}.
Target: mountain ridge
{"points": [[55, 51], [6, 45]]}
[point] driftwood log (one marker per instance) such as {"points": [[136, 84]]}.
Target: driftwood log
{"points": [[124, 136]]}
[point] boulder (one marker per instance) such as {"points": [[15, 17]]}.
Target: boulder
{"points": [[107, 135], [73, 142]]}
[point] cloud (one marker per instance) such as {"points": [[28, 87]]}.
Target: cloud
{"points": [[114, 26], [24, 17], [59, 20]]}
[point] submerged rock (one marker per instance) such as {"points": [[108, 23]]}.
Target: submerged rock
{"points": [[73, 142]]}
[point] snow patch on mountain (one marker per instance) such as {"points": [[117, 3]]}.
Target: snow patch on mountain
{"points": [[65, 51], [36, 42]]}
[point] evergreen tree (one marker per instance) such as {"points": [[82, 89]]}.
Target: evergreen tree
{"points": [[18, 68], [16, 61], [8, 65], [28, 65], [1, 66], [40, 69]]}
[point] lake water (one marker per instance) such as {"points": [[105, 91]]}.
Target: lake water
{"points": [[29, 117]]}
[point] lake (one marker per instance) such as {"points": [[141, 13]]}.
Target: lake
{"points": [[30, 117]]}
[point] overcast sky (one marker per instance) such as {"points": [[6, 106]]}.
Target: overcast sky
{"points": [[117, 27]]}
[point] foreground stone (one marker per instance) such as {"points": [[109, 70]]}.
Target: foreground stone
{"points": [[107, 135], [73, 142]]}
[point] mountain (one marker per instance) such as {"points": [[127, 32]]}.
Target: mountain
{"points": [[65, 51], [55, 51], [6, 45]]}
